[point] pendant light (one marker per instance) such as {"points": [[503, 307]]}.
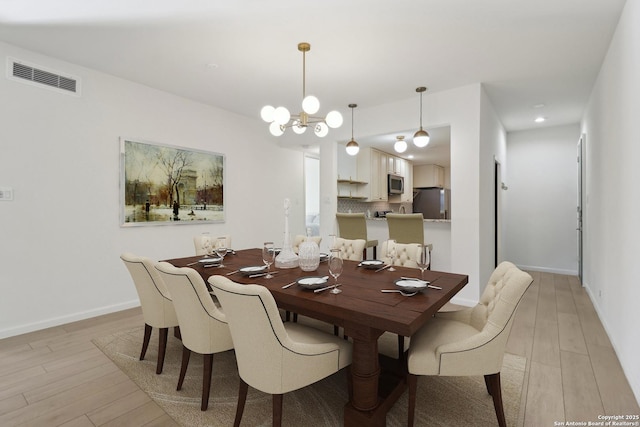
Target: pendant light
{"points": [[421, 137], [352, 146], [401, 145]]}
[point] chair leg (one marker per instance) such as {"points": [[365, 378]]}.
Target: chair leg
{"points": [[295, 317], [336, 330], [186, 354], [496, 393], [176, 333], [487, 384], [375, 256], [206, 381], [400, 347], [145, 340], [413, 386], [242, 398], [277, 410], [162, 348], [287, 316]]}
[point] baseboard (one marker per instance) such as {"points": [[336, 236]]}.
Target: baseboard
{"points": [[548, 270], [57, 321]]}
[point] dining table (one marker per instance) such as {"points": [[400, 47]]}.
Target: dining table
{"points": [[361, 309]]}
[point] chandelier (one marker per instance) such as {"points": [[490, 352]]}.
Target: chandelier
{"points": [[421, 137], [281, 119]]}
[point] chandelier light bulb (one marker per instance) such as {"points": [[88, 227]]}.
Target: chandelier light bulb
{"points": [[401, 145], [267, 113], [276, 129], [334, 119], [310, 104], [352, 148], [281, 115], [321, 129], [297, 128]]}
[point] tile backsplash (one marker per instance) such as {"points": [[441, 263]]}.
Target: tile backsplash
{"points": [[357, 206]]}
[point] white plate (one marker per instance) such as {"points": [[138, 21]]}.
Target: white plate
{"points": [[324, 257], [315, 282], [210, 260], [371, 263], [411, 285], [254, 269]]}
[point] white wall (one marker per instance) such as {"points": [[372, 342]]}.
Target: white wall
{"points": [[60, 237], [611, 217], [542, 199], [493, 148]]}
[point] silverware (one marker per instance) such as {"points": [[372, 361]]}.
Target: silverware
{"points": [[290, 284], [326, 287], [404, 293], [192, 263], [434, 287], [383, 267], [233, 272], [211, 265], [261, 274]]}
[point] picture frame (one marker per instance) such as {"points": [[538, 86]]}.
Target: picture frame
{"points": [[169, 185]]}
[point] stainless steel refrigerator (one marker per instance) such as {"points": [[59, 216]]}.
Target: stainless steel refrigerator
{"points": [[433, 203]]}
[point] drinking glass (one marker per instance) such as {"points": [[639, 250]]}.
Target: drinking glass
{"points": [[335, 268], [221, 249], [391, 253], [423, 260], [268, 257]]}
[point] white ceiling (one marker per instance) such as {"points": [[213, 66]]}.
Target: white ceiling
{"points": [[242, 54]]}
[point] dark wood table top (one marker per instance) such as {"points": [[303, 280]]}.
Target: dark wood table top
{"points": [[360, 301]]}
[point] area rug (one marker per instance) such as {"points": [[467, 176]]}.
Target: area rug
{"points": [[441, 401]]}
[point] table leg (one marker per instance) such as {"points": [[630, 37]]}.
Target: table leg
{"points": [[365, 374]]}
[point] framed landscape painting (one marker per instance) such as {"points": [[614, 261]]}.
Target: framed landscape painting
{"points": [[167, 185]]}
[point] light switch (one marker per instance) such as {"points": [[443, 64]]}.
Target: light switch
{"points": [[6, 193]]}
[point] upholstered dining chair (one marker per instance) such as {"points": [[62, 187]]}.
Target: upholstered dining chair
{"points": [[406, 228], [350, 249], [407, 254], [354, 226], [299, 238], [157, 306], [272, 356], [470, 341], [198, 242], [203, 325]]}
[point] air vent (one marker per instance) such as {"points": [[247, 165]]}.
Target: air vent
{"points": [[28, 73]]}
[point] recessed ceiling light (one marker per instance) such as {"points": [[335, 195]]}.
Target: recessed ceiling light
{"points": [[410, 156], [540, 119], [538, 106]]}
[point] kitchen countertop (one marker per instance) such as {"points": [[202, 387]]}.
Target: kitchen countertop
{"points": [[425, 220]]}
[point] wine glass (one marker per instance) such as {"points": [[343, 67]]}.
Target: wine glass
{"points": [[221, 249], [391, 253], [424, 260], [335, 268], [268, 256]]}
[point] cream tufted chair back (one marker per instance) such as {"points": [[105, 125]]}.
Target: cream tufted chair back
{"points": [[350, 249], [407, 254], [198, 242], [301, 238], [490, 299]]}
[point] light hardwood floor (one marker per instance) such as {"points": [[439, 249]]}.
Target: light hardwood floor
{"points": [[57, 377]]}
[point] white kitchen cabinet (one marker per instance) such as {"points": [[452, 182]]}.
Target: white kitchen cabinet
{"points": [[404, 168], [372, 168], [428, 176]]}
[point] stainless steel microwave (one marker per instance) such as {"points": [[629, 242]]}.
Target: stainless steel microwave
{"points": [[396, 184]]}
